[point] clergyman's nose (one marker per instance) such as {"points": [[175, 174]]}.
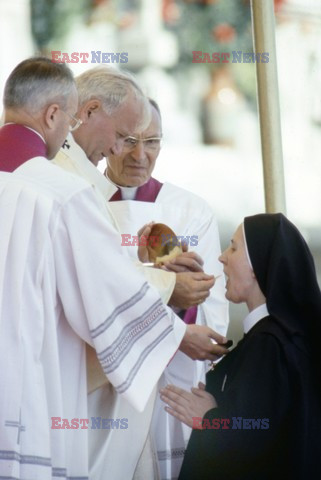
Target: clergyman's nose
{"points": [[138, 153]]}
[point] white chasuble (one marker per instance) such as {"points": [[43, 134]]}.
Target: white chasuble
{"points": [[190, 217], [60, 288], [74, 160], [109, 447]]}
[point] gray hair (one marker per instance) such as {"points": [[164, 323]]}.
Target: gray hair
{"points": [[108, 85], [36, 83]]}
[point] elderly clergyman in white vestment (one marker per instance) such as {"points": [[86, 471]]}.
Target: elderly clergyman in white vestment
{"points": [[105, 446], [53, 256], [140, 198]]}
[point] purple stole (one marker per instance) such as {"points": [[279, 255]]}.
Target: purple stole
{"points": [[17, 145], [148, 193]]}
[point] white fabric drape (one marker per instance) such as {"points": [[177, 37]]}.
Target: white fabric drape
{"points": [[52, 231]]}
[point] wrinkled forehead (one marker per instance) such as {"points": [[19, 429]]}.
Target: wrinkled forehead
{"points": [[151, 127], [154, 128], [134, 115], [145, 118]]}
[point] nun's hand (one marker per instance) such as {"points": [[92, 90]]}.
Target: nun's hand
{"points": [[186, 406]]}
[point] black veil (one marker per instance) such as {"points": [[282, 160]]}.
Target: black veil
{"points": [[285, 271]]}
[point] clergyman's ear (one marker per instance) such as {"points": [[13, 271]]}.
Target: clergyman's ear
{"points": [[89, 108], [51, 116]]}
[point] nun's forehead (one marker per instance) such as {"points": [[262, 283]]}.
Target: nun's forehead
{"points": [[245, 245]]}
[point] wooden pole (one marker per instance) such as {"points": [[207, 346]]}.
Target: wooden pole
{"points": [[263, 22]]}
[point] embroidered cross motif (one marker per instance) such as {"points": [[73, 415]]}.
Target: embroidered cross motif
{"points": [[21, 428]]}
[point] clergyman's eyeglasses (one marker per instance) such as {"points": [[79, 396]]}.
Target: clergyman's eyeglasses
{"points": [[74, 122], [150, 144]]}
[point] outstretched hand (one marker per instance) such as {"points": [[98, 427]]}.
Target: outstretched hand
{"points": [[186, 405], [202, 343], [185, 262], [191, 288]]}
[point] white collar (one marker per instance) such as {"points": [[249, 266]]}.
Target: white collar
{"points": [[255, 316], [127, 193]]}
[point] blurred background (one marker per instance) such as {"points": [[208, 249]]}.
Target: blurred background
{"points": [[210, 120]]}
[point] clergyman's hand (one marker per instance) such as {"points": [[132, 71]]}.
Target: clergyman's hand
{"points": [[202, 343], [191, 288], [185, 262], [187, 405], [143, 235]]}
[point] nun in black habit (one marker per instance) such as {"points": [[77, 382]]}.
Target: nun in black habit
{"points": [[259, 417]]}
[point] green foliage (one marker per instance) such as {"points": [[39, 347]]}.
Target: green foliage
{"points": [[220, 26], [51, 18]]}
